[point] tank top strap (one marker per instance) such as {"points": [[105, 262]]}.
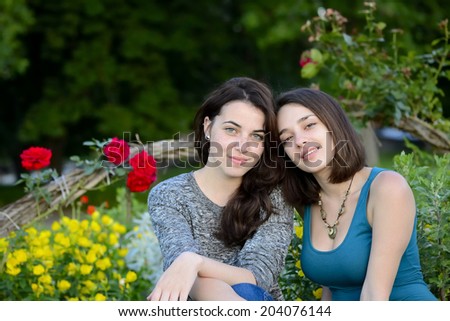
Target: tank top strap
{"points": [[366, 187]]}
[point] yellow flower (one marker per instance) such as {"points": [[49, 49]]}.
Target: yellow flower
{"points": [[299, 231], [38, 269], [37, 289], [95, 226], [91, 256], [120, 263], [84, 224], [101, 276], [11, 265], [12, 270], [72, 269], [45, 279], [45, 236], [63, 285], [317, 293], [48, 263], [38, 253], [99, 249], [123, 251], [100, 297], [131, 277], [20, 255], [86, 269], [60, 238], [113, 239], [74, 226], [3, 244], [84, 242], [119, 228], [106, 220], [72, 299], [95, 215], [103, 264], [49, 289], [101, 238], [89, 287], [56, 226], [31, 231]]}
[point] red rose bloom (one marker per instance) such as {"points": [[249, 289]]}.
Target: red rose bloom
{"points": [[35, 158], [143, 173], [117, 151], [144, 162], [139, 181]]}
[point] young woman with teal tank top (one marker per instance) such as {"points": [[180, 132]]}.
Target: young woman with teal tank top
{"points": [[359, 238]]}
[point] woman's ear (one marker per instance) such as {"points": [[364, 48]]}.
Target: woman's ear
{"points": [[207, 127]]}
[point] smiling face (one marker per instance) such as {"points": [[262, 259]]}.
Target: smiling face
{"points": [[306, 140], [236, 138]]}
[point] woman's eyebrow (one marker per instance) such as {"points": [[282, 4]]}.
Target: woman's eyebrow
{"points": [[239, 126], [298, 121]]}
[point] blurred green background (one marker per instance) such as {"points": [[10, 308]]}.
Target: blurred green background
{"points": [[73, 70]]}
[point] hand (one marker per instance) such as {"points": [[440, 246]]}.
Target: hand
{"points": [[176, 282]]}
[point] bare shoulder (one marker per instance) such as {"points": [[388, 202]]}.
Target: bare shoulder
{"points": [[391, 187]]}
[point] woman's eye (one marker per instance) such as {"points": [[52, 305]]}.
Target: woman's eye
{"points": [[258, 137], [310, 125], [230, 130], [287, 139]]}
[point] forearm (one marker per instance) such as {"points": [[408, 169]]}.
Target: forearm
{"points": [[209, 268], [207, 289]]}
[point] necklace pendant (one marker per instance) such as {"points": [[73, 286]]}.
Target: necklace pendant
{"points": [[332, 231]]}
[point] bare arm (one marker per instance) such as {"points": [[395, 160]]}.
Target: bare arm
{"points": [[207, 289], [326, 294], [391, 213], [178, 281]]}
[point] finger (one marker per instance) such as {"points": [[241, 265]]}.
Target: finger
{"points": [[165, 295], [155, 295], [184, 295]]}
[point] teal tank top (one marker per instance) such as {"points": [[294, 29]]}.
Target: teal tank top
{"points": [[343, 269]]}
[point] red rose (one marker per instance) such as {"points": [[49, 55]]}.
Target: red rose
{"points": [[139, 181], [117, 151], [143, 173], [35, 158], [144, 162]]}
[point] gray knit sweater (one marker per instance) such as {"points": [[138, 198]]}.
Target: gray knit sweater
{"points": [[184, 219]]}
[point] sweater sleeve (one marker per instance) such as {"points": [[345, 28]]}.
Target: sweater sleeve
{"points": [[264, 254], [171, 222]]}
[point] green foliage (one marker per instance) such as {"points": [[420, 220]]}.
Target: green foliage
{"points": [[15, 19], [377, 80], [429, 177], [294, 285]]}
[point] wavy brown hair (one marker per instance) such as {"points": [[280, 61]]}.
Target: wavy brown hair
{"points": [[241, 216], [301, 188]]}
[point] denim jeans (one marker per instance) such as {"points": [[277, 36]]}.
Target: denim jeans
{"points": [[251, 292]]}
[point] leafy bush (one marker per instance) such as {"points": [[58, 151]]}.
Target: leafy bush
{"points": [[429, 177], [74, 260], [294, 285]]}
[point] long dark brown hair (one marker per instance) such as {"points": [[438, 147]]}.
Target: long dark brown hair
{"points": [[301, 188], [241, 216]]}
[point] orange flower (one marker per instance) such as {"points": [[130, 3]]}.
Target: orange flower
{"points": [[90, 209], [84, 199]]}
